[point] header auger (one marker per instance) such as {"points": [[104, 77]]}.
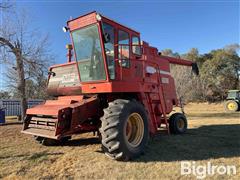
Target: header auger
{"points": [[117, 86]]}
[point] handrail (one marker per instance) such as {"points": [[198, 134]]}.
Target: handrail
{"points": [[163, 106]]}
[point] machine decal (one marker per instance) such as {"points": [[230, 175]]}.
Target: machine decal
{"points": [[165, 72], [68, 78], [165, 80], [152, 70]]}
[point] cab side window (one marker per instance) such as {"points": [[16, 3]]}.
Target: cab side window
{"points": [[109, 49], [136, 49], [123, 48]]}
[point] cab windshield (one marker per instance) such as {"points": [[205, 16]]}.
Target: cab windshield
{"points": [[89, 53]]}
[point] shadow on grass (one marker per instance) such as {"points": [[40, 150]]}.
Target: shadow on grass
{"points": [[83, 142], [14, 156], [205, 142], [213, 141], [43, 154], [33, 156], [215, 115]]}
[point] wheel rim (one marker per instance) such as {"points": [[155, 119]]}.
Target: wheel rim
{"points": [[231, 106], [180, 124], [134, 130]]}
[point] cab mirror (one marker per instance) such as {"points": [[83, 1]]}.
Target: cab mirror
{"points": [[107, 37], [136, 49]]}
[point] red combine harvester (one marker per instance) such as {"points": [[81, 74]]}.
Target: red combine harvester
{"points": [[117, 86]]}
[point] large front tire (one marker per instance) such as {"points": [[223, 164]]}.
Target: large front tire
{"points": [[124, 129]]}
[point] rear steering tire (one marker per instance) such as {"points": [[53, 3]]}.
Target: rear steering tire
{"points": [[124, 129], [178, 123]]}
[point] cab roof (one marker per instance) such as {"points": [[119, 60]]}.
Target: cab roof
{"points": [[104, 17]]}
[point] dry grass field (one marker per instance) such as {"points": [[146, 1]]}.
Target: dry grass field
{"points": [[213, 136]]}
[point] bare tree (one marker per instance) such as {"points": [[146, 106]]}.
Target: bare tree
{"points": [[24, 51], [183, 80], [188, 86]]}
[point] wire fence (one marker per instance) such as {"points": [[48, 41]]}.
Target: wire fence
{"points": [[13, 107]]}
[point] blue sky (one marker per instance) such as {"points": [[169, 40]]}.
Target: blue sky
{"points": [[179, 25]]}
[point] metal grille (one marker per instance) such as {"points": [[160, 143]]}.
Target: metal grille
{"points": [[43, 122]]}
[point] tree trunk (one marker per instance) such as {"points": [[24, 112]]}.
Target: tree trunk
{"points": [[21, 85], [16, 48]]}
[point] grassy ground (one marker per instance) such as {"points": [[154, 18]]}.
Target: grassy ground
{"points": [[212, 136]]}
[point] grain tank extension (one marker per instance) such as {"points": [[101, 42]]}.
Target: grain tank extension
{"points": [[116, 86]]}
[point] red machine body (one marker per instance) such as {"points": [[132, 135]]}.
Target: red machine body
{"points": [[112, 64]]}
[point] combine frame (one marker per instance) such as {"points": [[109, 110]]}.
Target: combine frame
{"points": [[116, 86]]}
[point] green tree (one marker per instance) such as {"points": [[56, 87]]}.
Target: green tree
{"points": [[220, 73], [192, 55], [169, 52]]}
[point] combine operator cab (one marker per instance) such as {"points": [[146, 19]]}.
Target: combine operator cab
{"points": [[103, 50], [116, 86]]}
